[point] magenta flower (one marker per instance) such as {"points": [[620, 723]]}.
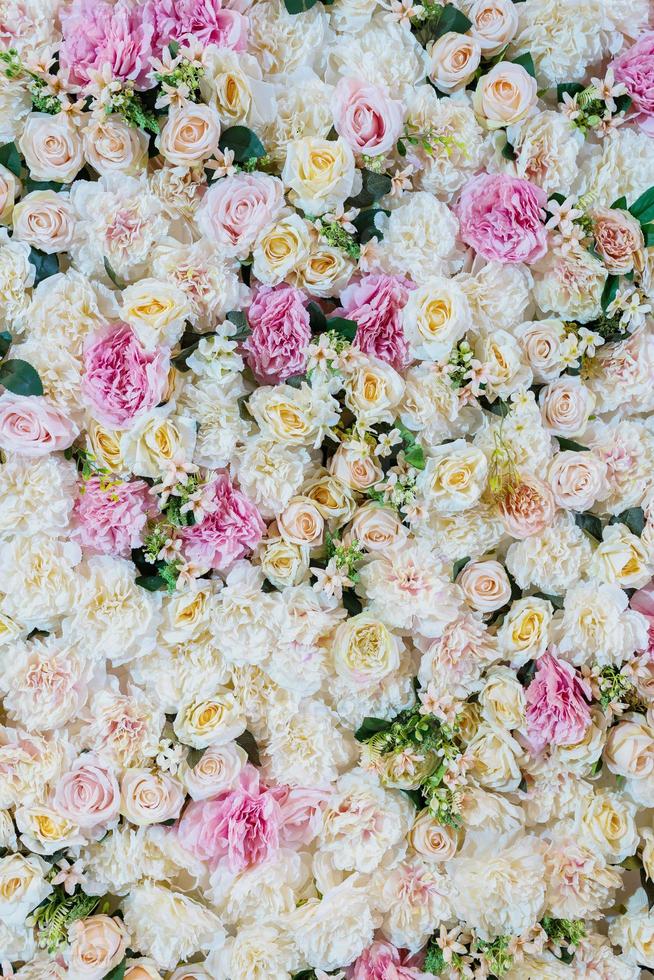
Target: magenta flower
{"points": [[207, 21], [501, 217], [98, 33], [277, 347], [557, 704], [375, 303], [232, 528], [110, 520]]}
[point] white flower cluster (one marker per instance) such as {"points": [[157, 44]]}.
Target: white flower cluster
{"points": [[326, 489]]}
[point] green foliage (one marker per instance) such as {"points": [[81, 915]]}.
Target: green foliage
{"points": [[244, 144], [187, 74], [20, 378], [590, 524], [129, 104], [564, 932], [45, 265], [527, 62], [10, 158], [374, 186], [248, 742], [615, 687], [643, 207], [633, 518], [57, 913]]}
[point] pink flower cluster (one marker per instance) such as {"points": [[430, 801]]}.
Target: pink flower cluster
{"points": [[557, 704], [635, 69], [375, 303], [231, 529], [277, 347], [110, 520], [501, 217]]}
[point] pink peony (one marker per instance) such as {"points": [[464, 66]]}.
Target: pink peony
{"points": [[32, 426], [502, 218], [122, 380], [231, 529], [206, 21], [301, 813], [89, 794], [236, 209], [366, 117], [375, 303], [643, 602], [277, 347], [98, 33], [635, 69], [239, 827], [557, 706], [110, 519], [382, 961]]}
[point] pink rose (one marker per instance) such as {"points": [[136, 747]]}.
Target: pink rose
{"points": [[366, 116], [557, 704], [382, 961], [643, 602], [121, 379], [98, 33], [234, 210], [204, 20], [231, 529], [32, 426], [277, 347], [239, 827], [110, 519], [88, 794], [501, 217], [301, 813], [635, 69], [375, 302]]}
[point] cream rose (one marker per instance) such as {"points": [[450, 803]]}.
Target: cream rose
{"points": [[495, 756], [485, 585], [45, 831], [502, 698], [9, 189], [634, 931], [148, 797], [621, 557], [105, 446], [629, 749], [145, 969], [542, 342], [156, 440], [432, 839], [217, 770], [577, 479], [607, 820], [565, 406], [373, 390], [618, 239], [332, 497], [22, 886], [319, 173], [284, 564], [494, 24], [355, 467], [190, 134], [156, 311], [435, 318], [326, 272], [301, 523], [378, 528], [454, 477], [212, 720], [45, 220], [365, 651], [52, 147], [506, 94], [280, 248], [453, 60], [113, 146], [97, 945]]}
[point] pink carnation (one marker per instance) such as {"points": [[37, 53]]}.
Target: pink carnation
{"points": [[98, 33], [277, 347], [375, 303], [239, 827], [382, 961], [207, 21], [110, 520], [643, 602], [122, 379], [232, 528], [635, 69], [557, 707], [502, 218]]}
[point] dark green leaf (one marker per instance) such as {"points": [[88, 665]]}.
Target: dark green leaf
{"points": [[590, 524], [451, 19], [351, 602], [415, 457], [45, 265], [401, 148], [416, 798], [571, 445], [345, 328], [5, 343], [150, 582], [317, 319], [10, 158], [556, 600], [117, 973], [596, 767], [240, 321], [621, 203], [568, 88], [366, 224], [610, 291], [115, 278], [497, 407], [244, 144], [248, 742], [458, 567], [633, 518], [374, 186], [20, 377], [648, 234], [173, 47], [296, 381], [370, 727], [508, 152], [643, 207], [527, 62], [526, 673], [622, 103], [42, 185], [299, 6]]}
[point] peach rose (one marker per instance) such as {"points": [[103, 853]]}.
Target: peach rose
{"points": [[485, 585], [618, 239], [9, 190], [32, 426], [148, 797], [505, 95], [432, 839], [453, 60], [52, 147], [354, 467], [301, 522], [528, 509], [378, 528], [191, 134], [216, 771], [494, 24], [97, 945], [45, 220], [113, 146], [565, 406], [577, 480]]}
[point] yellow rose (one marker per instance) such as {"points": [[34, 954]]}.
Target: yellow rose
{"points": [[156, 311], [319, 173], [281, 248], [214, 720]]}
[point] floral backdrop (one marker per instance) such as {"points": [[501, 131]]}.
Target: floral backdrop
{"points": [[326, 489]]}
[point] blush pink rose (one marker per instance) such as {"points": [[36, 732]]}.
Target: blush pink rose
{"points": [[375, 302], [231, 529], [121, 379], [236, 209], [88, 794], [206, 21], [643, 602], [301, 813], [366, 117], [277, 347], [110, 519], [382, 961], [557, 704], [32, 426], [239, 828], [501, 217], [98, 33], [635, 69]]}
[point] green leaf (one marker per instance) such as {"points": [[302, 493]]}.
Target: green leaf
{"points": [[527, 62], [568, 88], [10, 158], [648, 234], [317, 319], [118, 972], [610, 291], [556, 600], [299, 6], [633, 518], [527, 673], [150, 582], [351, 602], [173, 47], [296, 381], [115, 278], [240, 321], [346, 328], [622, 103], [497, 407], [451, 19], [374, 186], [248, 742], [620, 204], [590, 524], [643, 207], [416, 798], [45, 265], [508, 151], [370, 727], [571, 445], [415, 457], [42, 185], [366, 224], [244, 144], [20, 378], [458, 567], [5, 343]]}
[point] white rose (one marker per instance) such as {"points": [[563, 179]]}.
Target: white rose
{"points": [[281, 248], [524, 633], [216, 771], [190, 134], [621, 557], [378, 528], [502, 698], [485, 585], [453, 60], [577, 479], [97, 945], [454, 477], [364, 650], [565, 406], [9, 190], [45, 220], [52, 147], [542, 342], [505, 367], [22, 886], [319, 173], [211, 720], [607, 820], [156, 311], [148, 797], [495, 757], [634, 931], [111, 145], [435, 318], [629, 749], [284, 564], [494, 24], [373, 390], [506, 94], [434, 840], [158, 438]]}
